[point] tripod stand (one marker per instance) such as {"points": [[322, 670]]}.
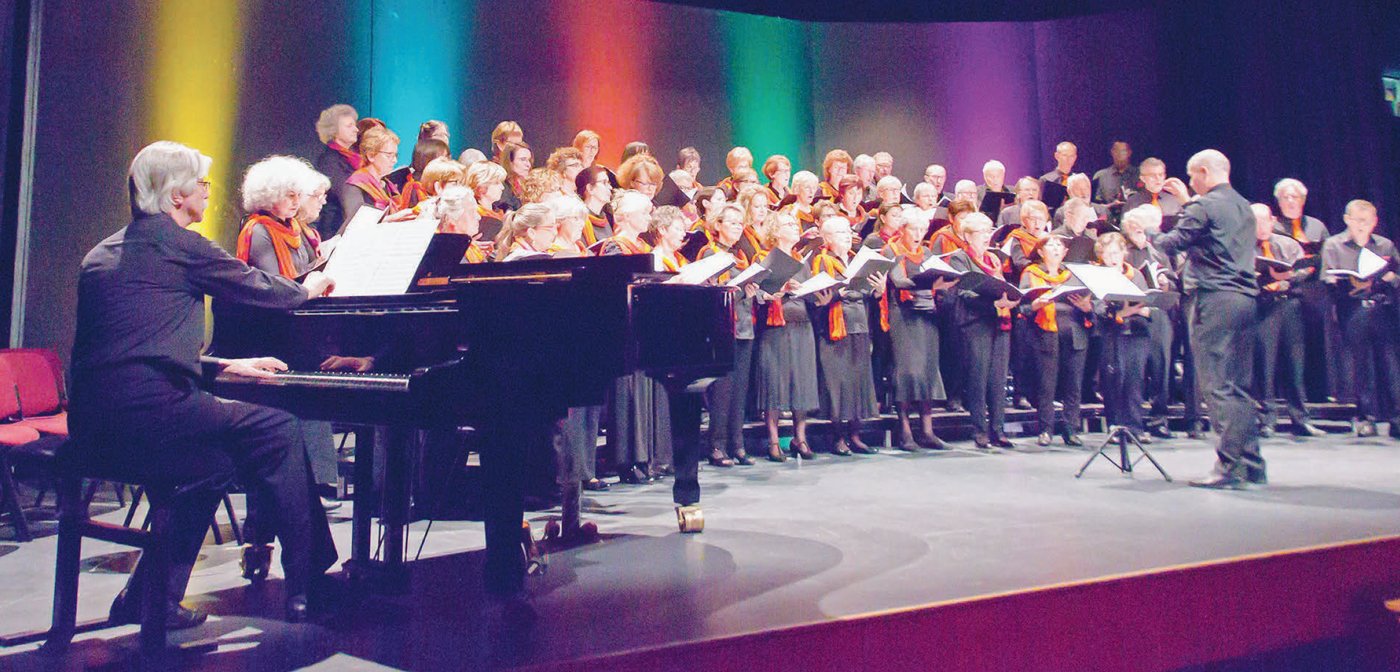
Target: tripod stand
{"points": [[1122, 436]]}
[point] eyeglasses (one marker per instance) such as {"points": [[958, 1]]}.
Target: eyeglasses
{"points": [[392, 155], [206, 183], [639, 183]]}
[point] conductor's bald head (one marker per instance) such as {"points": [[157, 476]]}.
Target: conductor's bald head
{"points": [[1208, 169]]}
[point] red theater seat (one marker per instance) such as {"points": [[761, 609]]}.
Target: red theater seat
{"points": [[38, 381]]}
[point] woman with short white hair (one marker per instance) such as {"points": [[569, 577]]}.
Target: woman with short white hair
{"points": [[272, 239], [571, 214]]}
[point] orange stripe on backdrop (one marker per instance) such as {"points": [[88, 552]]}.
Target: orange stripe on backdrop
{"points": [[607, 51]]}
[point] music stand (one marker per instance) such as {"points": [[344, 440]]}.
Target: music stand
{"points": [[1122, 436]]}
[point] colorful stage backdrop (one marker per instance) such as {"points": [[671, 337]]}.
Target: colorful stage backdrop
{"points": [[241, 79]]}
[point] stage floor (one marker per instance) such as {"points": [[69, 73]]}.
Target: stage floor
{"points": [[784, 544]]}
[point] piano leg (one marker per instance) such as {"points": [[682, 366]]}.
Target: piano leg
{"points": [[396, 496], [390, 501], [504, 443], [364, 503], [685, 432]]}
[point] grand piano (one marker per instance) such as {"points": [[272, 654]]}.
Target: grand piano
{"points": [[503, 348]]}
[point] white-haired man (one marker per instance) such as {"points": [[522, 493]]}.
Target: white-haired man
{"points": [[1291, 195], [1366, 312], [1280, 328], [864, 169], [1153, 174], [937, 176], [1216, 231], [138, 411]]}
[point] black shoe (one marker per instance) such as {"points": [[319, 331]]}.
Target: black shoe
{"points": [[1365, 428], [932, 442], [1143, 437], [861, 447], [1073, 440], [801, 449], [595, 485], [1308, 429], [1220, 482], [1266, 431], [1196, 432], [1161, 431], [717, 459], [177, 617], [1394, 430], [743, 458], [981, 441], [1002, 442], [1023, 404], [1256, 476], [634, 475]]}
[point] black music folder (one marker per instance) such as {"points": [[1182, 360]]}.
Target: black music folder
{"points": [[1262, 264], [1053, 194], [989, 286], [781, 268], [994, 201]]}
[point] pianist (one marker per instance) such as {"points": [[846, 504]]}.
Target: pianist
{"points": [[137, 408]]}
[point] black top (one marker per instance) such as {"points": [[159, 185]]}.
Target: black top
{"points": [[1216, 231], [141, 296], [337, 169], [1340, 251]]}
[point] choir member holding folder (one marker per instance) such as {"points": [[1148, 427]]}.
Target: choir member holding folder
{"points": [[1126, 340], [640, 434], [910, 312], [726, 397], [1059, 337], [785, 375], [1280, 332], [984, 316], [843, 334], [1358, 265]]}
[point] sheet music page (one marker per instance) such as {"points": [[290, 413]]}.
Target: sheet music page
{"points": [[863, 257], [816, 284], [380, 258], [697, 272], [1104, 281], [937, 263], [1368, 263]]}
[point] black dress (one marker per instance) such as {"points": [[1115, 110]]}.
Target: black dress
{"points": [[914, 335], [785, 374], [847, 383]]}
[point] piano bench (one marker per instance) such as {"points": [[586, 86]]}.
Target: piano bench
{"points": [[73, 526]]}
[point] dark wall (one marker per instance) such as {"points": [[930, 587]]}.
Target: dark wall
{"points": [[1282, 89]]}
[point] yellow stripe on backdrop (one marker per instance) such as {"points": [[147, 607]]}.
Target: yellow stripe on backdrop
{"points": [[198, 57]]}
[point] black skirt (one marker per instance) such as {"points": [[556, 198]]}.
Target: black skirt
{"points": [[914, 334], [847, 386], [785, 376]]}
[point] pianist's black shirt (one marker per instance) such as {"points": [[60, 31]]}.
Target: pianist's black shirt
{"points": [[141, 298]]}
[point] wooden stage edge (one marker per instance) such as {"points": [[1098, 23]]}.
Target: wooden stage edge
{"points": [[1170, 618]]}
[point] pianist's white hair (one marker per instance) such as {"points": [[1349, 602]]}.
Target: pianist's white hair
{"points": [[454, 200], [271, 179], [162, 168], [1290, 184]]}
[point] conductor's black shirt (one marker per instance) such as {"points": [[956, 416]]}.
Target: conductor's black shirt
{"points": [[1216, 231]]}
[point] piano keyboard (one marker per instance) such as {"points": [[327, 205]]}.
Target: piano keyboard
{"points": [[342, 380]]}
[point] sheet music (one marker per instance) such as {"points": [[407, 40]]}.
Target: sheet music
{"points": [[749, 274], [1368, 263], [376, 259], [817, 283], [697, 272], [1103, 281], [865, 256], [938, 263]]}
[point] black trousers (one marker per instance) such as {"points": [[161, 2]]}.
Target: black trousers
{"points": [[1061, 372], [1222, 326], [1368, 331], [576, 445], [1280, 345], [952, 350], [1024, 370], [987, 347], [726, 399], [1159, 361], [1189, 386], [1124, 367], [145, 426]]}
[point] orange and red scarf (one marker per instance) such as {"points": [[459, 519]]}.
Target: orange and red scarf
{"points": [[285, 238], [827, 262]]}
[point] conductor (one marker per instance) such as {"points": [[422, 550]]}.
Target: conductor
{"points": [[137, 409], [1216, 231]]}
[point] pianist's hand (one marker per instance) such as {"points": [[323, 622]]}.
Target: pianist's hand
{"points": [[317, 284], [356, 364], [254, 367]]}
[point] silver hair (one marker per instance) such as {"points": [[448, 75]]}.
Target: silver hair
{"points": [[567, 206], [271, 179], [1147, 216], [454, 200], [1079, 177], [993, 165], [1288, 183], [804, 178], [329, 122], [925, 188], [864, 160], [889, 182], [961, 184], [630, 201], [163, 168], [1076, 204], [976, 221], [471, 155], [665, 216]]}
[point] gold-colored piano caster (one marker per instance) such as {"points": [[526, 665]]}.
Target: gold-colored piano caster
{"points": [[691, 519], [536, 559], [255, 562]]}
